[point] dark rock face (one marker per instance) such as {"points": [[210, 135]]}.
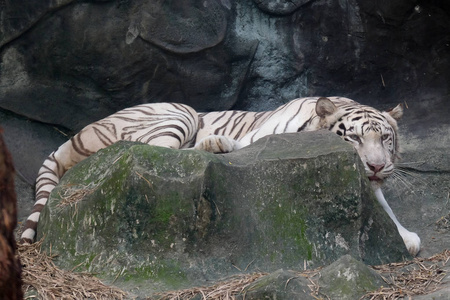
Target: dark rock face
{"points": [[215, 54], [280, 7], [178, 218]]}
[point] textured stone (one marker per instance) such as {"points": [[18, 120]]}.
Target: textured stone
{"points": [[280, 285], [348, 279], [215, 54], [186, 27], [167, 219], [280, 7]]}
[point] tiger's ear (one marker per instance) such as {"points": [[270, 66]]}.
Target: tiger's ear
{"points": [[396, 112], [324, 107]]}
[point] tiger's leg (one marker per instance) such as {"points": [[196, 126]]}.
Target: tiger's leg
{"points": [[411, 239], [217, 144]]}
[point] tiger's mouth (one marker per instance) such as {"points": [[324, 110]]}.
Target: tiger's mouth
{"points": [[375, 178]]}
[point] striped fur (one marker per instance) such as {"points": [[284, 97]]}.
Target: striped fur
{"points": [[161, 124], [371, 132]]}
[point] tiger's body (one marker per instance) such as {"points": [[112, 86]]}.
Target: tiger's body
{"points": [[371, 132]]}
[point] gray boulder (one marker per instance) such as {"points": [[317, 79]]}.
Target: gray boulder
{"points": [[280, 285], [348, 279], [345, 279], [159, 219]]}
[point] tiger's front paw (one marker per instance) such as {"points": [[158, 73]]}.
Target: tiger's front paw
{"points": [[412, 241], [217, 144]]}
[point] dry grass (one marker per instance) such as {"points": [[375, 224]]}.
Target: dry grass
{"points": [[40, 273], [226, 290], [72, 196], [420, 276]]}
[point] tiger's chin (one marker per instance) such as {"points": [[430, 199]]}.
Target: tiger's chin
{"points": [[376, 181]]}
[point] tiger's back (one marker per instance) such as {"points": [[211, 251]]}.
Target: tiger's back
{"points": [[226, 131]]}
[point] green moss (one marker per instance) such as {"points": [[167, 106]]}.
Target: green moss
{"points": [[288, 226], [167, 271]]}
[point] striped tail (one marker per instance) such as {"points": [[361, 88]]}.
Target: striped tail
{"points": [[48, 177]]}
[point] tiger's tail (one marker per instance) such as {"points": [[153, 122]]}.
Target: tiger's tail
{"points": [[53, 168]]}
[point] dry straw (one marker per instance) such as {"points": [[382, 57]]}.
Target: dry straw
{"points": [[40, 273], [420, 276], [226, 290]]}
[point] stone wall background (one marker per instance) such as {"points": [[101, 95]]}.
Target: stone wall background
{"points": [[64, 64], [70, 62]]}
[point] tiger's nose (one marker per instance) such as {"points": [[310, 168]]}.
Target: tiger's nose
{"points": [[375, 168]]}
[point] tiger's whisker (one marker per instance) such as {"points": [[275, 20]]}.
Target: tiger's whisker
{"points": [[400, 178], [406, 172]]}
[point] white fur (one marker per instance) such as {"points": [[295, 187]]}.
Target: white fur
{"points": [[28, 234], [411, 239], [34, 217], [218, 144]]}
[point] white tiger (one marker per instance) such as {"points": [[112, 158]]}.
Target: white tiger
{"points": [[372, 133]]}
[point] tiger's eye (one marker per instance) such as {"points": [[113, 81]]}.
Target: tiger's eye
{"points": [[355, 138], [384, 137]]}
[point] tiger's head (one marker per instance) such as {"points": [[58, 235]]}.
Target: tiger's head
{"points": [[372, 133]]}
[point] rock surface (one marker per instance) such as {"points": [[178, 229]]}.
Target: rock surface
{"points": [[215, 54], [348, 279], [164, 219], [271, 287]]}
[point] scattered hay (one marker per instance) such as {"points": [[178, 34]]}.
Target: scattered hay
{"points": [[40, 273], [72, 196], [236, 285], [223, 290], [313, 277], [420, 276]]}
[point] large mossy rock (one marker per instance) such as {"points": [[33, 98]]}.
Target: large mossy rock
{"points": [[159, 218]]}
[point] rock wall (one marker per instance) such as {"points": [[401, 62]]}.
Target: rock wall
{"points": [[215, 54]]}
